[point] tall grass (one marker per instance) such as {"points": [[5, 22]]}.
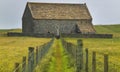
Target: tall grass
{"points": [[103, 46], [12, 49]]}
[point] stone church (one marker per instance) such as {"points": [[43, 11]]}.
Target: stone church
{"points": [[46, 18]]}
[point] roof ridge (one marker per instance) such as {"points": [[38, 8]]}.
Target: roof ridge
{"points": [[56, 3]]}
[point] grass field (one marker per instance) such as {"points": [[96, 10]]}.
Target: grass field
{"points": [[12, 49], [111, 29], [104, 46]]}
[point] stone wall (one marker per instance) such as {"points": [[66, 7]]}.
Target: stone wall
{"points": [[66, 26], [86, 27], [27, 21], [49, 26], [88, 35], [14, 34]]}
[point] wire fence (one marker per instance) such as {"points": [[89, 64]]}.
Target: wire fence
{"points": [[91, 61], [99, 62], [33, 58], [76, 52]]}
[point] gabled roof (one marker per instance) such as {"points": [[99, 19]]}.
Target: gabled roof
{"points": [[58, 11]]}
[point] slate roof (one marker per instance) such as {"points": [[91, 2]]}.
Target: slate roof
{"points": [[58, 11]]}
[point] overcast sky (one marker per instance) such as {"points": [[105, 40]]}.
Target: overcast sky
{"points": [[102, 11]]}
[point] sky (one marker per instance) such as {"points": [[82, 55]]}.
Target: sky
{"points": [[102, 11]]}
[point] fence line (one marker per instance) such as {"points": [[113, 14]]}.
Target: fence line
{"points": [[33, 58], [94, 63], [76, 51], [70, 48]]}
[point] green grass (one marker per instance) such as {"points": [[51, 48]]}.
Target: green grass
{"points": [[108, 29], [10, 30], [12, 49], [3, 32], [50, 63], [103, 46]]}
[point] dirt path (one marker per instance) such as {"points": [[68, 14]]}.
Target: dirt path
{"points": [[58, 57]]}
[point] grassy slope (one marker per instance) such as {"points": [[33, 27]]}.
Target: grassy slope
{"points": [[107, 28], [111, 29], [10, 30]]}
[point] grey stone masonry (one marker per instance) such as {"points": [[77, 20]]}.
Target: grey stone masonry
{"points": [[49, 26]]}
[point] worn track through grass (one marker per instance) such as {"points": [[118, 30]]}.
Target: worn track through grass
{"points": [[58, 57], [56, 60]]}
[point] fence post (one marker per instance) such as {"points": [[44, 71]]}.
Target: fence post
{"points": [[24, 64], [37, 55], [105, 62], [86, 66], [79, 55], [68, 47], [17, 67], [94, 62], [39, 52], [30, 59], [72, 50]]}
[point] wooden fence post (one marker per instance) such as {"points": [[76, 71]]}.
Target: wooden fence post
{"points": [[17, 67], [86, 66], [42, 52], [39, 52], [94, 62], [105, 62], [67, 46], [73, 50], [79, 56], [37, 55], [24, 64], [30, 59]]}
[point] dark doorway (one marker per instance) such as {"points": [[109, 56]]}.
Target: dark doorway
{"points": [[77, 30], [48, 32]]}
